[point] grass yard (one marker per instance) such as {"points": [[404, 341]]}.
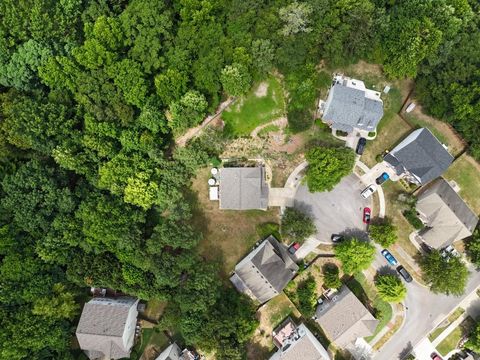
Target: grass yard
{"points": [[152, 341], [465, 171], [454, 316], [270, 316], [227, 235], [367, 293], [155, 309], [255, 108], [451, 341]]}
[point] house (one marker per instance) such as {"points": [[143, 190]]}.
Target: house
{"points": [[107, 327], [173, 352], [264, 272], [419, 158], [344, 318], [243, 188], [297, 343], [351, 106], [446, 216]]}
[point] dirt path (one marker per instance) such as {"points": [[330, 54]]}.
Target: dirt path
{"points": [[281, 123], [193, 132]]}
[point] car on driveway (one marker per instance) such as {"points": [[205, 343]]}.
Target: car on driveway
{"points": [[367, 213], [368, 191], [435, 356], [293, 248], [390, 258], [361, 146], [382, 178], [336, 238], [405, 274]]}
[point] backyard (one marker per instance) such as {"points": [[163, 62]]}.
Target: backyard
{"points": [[227, 235], [263, 103]]}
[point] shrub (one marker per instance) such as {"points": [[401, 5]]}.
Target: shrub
{"points": [[383, 233], [331, 278], [307, 297], [412, 218], [299, 120], [297, 226]]}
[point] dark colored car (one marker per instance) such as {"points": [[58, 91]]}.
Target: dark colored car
{"points": [[293, 248], [382, 178], [366, 215], [404, 273], [435, 356], [336, 238], [361, 146]]}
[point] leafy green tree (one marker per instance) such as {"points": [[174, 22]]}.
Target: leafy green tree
{"points": [[263, 54], [61, 306], [306, 295], [446, 275], [331, 277], [327, 166], [390, 288], [296, 225], [188, 111], [296, 18], [171, 85], [383, 233], [355, 255], [473, 248], [473, 342], [235, 79]]}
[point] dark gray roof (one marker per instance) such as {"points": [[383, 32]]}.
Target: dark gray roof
{"points": [[243, 188], [347, 108], [447, 217], [345, 318], [266, 270], [420, 154], [101, 327]]}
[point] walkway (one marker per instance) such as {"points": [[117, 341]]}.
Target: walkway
{"points": [[281, 123], [367, 181], [193, 132]]}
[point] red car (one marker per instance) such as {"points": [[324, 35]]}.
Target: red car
{"points": [[366, 215], [435, 356], [293, 248]]}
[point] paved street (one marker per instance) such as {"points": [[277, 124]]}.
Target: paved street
{"points": [[424, 311], [339, 211]]}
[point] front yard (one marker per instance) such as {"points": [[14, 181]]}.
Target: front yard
{"points": [[451, 341]]}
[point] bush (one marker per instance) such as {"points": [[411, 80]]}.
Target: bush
{"points": [[307, 297], [327, 166], [473, 248], [379, 158], [299, 120], [296, 226], [331, 278], [412, 218], [390, 288], [383, 233]]}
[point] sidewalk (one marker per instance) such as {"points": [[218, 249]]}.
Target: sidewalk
{"points": [[395, 314]]}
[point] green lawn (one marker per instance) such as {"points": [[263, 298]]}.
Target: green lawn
{"points": [[149, 337], [250, 111], [451, 341], [420, 123], [367, 293], [454, 316], [467, 174]]}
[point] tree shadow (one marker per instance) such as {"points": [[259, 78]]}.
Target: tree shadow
{"points": [[386, 270], [405, 351]]}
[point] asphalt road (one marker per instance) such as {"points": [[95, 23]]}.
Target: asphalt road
{"points": [[424, 311], [339, 211]]}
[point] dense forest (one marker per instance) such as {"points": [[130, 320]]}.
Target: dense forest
{"points": [[93, 92]]}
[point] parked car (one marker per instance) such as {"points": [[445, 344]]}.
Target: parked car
{"points": [[367, 215], [382, 178], [404, 273], [435, 356], [293, 248], [361, 146], [368, 191], [390, 258], [336, 238]]}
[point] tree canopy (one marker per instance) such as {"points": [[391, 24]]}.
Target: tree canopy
{"points": [[447, 275], [296, 225], [390, 288], [383, 232], [355, 255]]}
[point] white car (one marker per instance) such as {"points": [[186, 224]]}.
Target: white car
{"points": [[368, 191]]}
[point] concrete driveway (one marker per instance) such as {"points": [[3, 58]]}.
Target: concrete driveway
{"points": [[339, 211]]}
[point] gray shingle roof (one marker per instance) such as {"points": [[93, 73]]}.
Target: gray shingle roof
{"points": [[345, 318], [243, 188], [266, 270], [420, 154], [448, 217], [101, 327], [303, 345], [172, 352], [347, 108]]}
